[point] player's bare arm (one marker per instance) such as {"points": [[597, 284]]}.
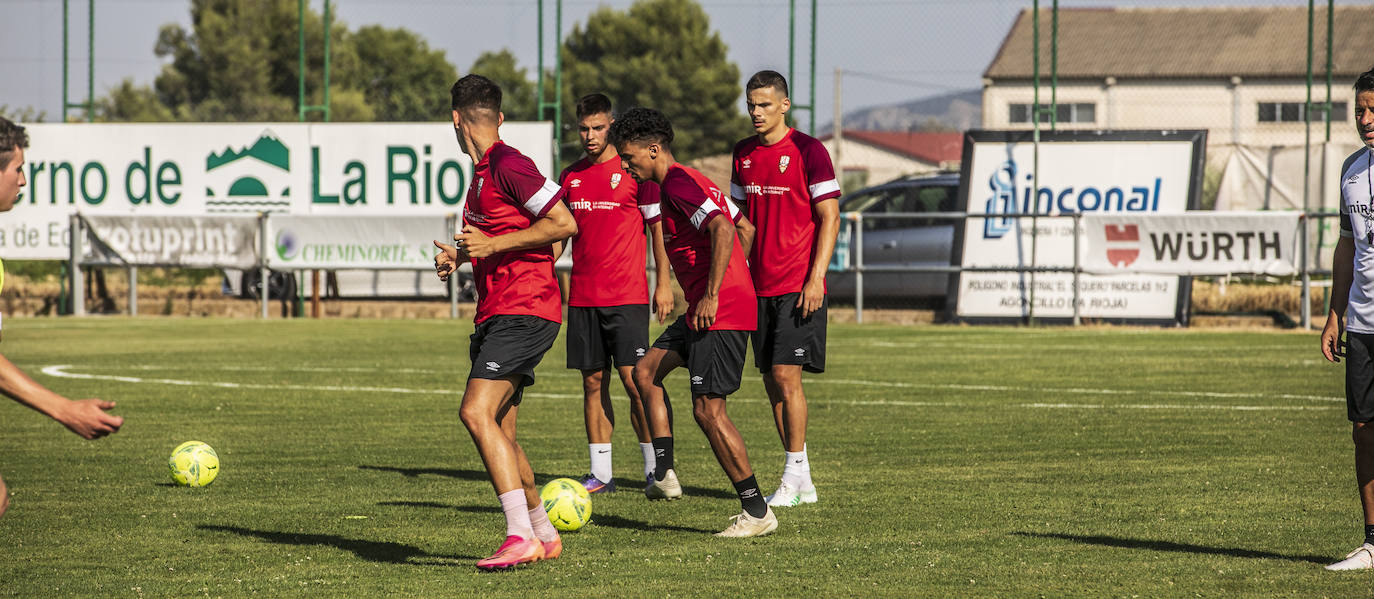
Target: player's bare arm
{"points": [[663, 286], [557, 224], [745, 230], [86, 417], [1342, 275], [722, 242], [813, 290]]}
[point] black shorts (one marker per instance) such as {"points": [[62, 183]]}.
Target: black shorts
{"points": [[510, 345], [784, 337], [715, 359], [1359, 377], [598, 336]]}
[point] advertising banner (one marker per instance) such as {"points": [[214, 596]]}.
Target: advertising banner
{"points": [[1198, 243], [343, 242], [1089, 172], [193, 241], [343, 169]]}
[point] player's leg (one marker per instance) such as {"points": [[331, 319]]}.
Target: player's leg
{"points": [[793, 344], [587, 354], [485, 406], [638, 421], [505, 350], [599, 417], [627, 332], [715, 365], [534, 505], [648, 377], [1359, 394], [4, 497]]}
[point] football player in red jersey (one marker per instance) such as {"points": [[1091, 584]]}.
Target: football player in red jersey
{"points": [[608, 310], [787, 186], [511, 219], [702, 238]]}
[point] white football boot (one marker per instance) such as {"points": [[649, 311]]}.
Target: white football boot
{"points": [[668, 488], [788, 496], [1362, 558], [745, 525]]}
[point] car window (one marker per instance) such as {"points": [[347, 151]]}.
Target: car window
{"points": [[902, 199]]}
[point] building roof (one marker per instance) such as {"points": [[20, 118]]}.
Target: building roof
{"points": [[931, 148], [1189, 43]]}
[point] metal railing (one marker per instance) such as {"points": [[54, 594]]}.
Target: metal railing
{"points": [[854, 221]]}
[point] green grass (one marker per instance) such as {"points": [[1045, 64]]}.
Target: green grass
{"points": [[951, 461]]}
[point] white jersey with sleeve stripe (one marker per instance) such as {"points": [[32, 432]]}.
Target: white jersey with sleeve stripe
{"points": [[1357, 222]]}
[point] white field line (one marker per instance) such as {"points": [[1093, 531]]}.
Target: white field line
{"points": [[1076, 390], [1054, 346], [60, 371]]}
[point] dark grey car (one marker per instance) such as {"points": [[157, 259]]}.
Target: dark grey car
{"points": [[899, 240]]}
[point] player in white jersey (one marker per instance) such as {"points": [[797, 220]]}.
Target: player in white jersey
{"points": [[1352, 311]]}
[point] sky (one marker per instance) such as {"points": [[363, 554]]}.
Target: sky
{"points": [[890, 51]]}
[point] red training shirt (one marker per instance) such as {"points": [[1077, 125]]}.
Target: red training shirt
{"points": [[689, 201], [609, 250], [778, 185], [508, 194]]}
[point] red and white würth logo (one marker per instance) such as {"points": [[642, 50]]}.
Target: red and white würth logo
{"points": [[1123, 244]]}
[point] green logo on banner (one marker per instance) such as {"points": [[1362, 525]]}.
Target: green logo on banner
{"points": [[248, 176]]}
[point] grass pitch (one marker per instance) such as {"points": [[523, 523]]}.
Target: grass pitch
{"points": [[950, 461]]}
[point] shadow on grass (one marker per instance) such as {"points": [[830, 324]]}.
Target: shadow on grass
{"points": [[626, 523], [473, 475], [597, 519], [1125, 543], [372, 551], [624, 484], [471, 509]]}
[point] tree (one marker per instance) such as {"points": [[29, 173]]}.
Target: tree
{"points": [[240, 62], [517, 91], [659, 54], [400, 77]]}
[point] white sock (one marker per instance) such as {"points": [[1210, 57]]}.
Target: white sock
{"points": [[601, 461], [543, 529], [648, 450], [795, 471], [517, 514]]}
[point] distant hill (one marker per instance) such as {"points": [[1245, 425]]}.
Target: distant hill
{"points": [[958, 111]]}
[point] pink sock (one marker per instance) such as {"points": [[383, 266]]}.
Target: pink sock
{"points": [[543, 529], [517, 514]]}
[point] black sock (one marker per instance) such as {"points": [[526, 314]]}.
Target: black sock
{"points": [[1369, 533], [663, 456], [751, 497]]}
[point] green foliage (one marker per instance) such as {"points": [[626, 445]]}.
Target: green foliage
{"points": [[660, 54], [27, 114], [517, 90], [240, 62], [401, 78]]}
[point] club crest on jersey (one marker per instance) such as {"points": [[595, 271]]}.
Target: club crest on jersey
{"points": [[615, 180], [782, 163]]}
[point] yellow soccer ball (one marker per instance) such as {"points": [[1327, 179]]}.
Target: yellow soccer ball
{"points": [[193, 464], [567, 502]]}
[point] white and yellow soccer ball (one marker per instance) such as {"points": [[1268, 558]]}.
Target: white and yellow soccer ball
{"points": [[567, 502], [194, 464]]}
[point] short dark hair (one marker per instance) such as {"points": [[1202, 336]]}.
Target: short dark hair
{"points": [[476, 92], [1365, 82], [767, 78], [641, 125], [591, 104], [12, 137]]}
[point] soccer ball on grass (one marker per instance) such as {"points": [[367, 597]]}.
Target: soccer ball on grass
{"points": [[567, 503], [193, 464]]}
